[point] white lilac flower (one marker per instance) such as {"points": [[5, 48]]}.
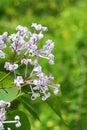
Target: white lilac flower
{"points": [[58, 85], [50, 78], [2, 45], [36, 26], [48, 47], [37, 68], [56, 89], [17, 119], [1, 126], [50, 43], [35, 37], [18, 124], [5, 37], [17, 44], [13, 67], [23, 31], [44, 29], [40, 36], [51, 59], [19, 81], [31, 45], [26, 61], [6, 66], [46, 96], [35, 95], [2, 115], [37, 83], [45, 52], [39, 27], [2, 54], [43, 79], [10, 67], [4, 104]]}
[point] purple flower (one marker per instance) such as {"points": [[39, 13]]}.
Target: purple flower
{"points": [[51, 59], [25, 46], [2, 54], [19, 81], [10, 67]]}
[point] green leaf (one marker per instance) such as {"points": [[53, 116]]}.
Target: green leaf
{"points": [[25, 124], [8, 94], [25, 101], [5, 79], [54, 102]]}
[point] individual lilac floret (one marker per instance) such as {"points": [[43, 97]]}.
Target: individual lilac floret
{"points": [[46, 52], [4, 37], [26, 61], [4, 104], [48, 47], [19, 81], [56, 89], [39, 27], [36, 26], [2, 45], [37, 68], [10, 67], [2, 54], [23, 31], [51, 59], [36, 37], [17, 43]]}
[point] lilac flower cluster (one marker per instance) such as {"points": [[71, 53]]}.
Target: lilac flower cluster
{"points": [[24, 44], [3, 121]]}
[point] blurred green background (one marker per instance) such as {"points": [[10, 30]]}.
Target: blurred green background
{"points": [[67, 27]]}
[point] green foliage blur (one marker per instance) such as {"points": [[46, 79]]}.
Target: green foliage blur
{"points": [[67, 27]]}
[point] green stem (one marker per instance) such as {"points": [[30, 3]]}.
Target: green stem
{"points": [[5, 77]]}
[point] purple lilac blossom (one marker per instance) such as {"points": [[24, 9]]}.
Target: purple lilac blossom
{"points": [[26, 44]]}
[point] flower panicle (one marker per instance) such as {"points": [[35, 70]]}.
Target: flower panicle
{"points": [[25, 44]]}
